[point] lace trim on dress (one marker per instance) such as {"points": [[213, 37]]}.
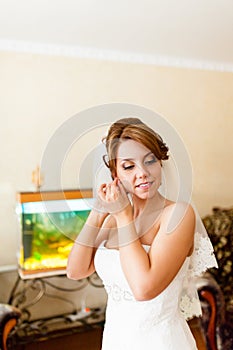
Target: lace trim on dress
{"points": [[118, 294], [203, 256], [201, 259]]}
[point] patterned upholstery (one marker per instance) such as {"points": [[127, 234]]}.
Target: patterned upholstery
{"points": [[219, 226], [215, 287]]}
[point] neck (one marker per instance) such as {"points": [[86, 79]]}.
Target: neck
{"points": [[156, 203]]}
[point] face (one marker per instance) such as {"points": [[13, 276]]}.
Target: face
{"points": [[138, 169]]}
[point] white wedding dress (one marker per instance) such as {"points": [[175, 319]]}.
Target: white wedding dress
{"points": [[160, 323], [157, 324]]}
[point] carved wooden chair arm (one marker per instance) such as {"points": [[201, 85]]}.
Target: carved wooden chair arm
{"points": [[8, 319]]}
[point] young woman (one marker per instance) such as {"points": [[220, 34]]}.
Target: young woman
{"points": [[142, 245]]}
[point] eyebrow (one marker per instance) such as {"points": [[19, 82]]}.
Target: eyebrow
{"points": [[131, 159]]}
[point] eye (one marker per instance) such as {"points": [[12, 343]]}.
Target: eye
{"points": [[150, 160], [127, 166]]}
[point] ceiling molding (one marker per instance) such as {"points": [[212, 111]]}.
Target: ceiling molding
{"points": [[111, 55]]}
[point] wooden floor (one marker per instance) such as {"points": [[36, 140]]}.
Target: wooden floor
{"points": [[91, 340]]}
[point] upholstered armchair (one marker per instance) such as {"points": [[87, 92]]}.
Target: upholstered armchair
{"points": [[8, 319], [217, 332], [219, 225]]}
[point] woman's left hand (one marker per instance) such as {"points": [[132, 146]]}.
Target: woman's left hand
{"points": [[113, 197]]}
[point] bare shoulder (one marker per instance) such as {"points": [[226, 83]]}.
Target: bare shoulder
{"points": [[181, 208], [176, 232], [178, 214]]}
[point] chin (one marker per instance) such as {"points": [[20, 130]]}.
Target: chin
{"points": [[144, 196]]}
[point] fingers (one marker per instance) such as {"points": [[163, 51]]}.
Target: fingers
{"points": [[113, 197], [102, 191], [109, 191], [112, 191], [122, 189]]}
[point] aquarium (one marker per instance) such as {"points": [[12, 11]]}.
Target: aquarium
{"points": [[49, 222]]}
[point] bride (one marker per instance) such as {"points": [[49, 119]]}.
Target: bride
{"points": [[143, 245]]}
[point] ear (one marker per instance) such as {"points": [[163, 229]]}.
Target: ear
{"points": [[113, 175]]}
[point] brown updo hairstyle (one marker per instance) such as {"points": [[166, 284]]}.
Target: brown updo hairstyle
{"points": [[132, 129]]}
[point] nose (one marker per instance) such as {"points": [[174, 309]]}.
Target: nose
{"points": [[141, 172]]}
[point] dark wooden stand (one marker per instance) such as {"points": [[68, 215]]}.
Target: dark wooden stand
{"points": [[76, 329], [59, 334]]}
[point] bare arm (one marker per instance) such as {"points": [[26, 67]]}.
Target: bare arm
{"points": [[81, 258], [148, 274]]}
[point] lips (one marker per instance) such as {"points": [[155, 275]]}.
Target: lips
{"points": [[144, 185]]}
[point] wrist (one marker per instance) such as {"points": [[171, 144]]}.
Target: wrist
{"points": [[124, 216], [126, 233], [96, 218]]}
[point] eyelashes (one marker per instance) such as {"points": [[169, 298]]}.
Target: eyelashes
{"points": [[128, 167], [152, 161], [147, 162]]}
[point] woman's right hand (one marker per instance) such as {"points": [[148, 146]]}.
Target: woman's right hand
{"points": [[113, 197]]}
